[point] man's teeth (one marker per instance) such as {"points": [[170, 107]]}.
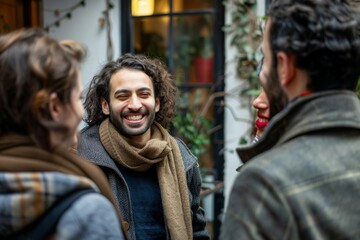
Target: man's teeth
{"points": [[134, 118]]}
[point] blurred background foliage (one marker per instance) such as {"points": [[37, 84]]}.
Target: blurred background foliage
{"points": [[194, 131], [245, 30]]}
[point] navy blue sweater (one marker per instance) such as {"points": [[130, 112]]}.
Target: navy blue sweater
{"points": [[146, 203]]}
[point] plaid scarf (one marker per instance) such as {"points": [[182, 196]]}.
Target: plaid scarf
{"points": [[26, 196], [32, 178]]}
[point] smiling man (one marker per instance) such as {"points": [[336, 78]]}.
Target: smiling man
{"points": [[154, 176]]}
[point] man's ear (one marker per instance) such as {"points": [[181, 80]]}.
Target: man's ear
{"points": [[105, 106], [157, 104], [286, 68], [56, 108]]}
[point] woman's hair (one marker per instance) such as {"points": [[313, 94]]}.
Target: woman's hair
{"points": [[32, 67], [164, 87]]}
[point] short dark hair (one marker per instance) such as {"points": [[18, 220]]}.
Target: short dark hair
{"points": [[32, 66], [164, 87], [323, 35]]}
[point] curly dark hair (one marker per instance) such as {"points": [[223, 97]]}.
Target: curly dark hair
{"points": [[164, 87], [324, 37], [34, 65]]}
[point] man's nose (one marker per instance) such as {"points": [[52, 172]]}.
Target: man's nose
{"points": [[134, 103]]}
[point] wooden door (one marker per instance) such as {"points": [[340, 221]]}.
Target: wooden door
{"points": [[15, 14]]}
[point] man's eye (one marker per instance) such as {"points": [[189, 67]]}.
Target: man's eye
{"points": [[145, 94], [121, 97]]}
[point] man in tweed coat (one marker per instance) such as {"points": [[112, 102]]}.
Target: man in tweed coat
{"points": [[302, 179]]}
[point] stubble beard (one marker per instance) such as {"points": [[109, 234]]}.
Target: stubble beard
{"points": [[276, 96], [127, 131]]}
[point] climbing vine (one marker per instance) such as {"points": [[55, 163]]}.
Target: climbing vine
{"points": [[245, 35]]}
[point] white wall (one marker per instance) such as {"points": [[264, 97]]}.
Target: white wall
{"points": [[83, 26], [234, 128]]}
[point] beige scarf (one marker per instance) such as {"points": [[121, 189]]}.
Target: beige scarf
{"points": [[162, 150]]}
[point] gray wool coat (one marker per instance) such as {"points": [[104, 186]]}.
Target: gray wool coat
{"points": [[91, 148]]}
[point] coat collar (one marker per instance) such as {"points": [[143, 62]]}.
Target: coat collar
{"points": [[315, 112]]}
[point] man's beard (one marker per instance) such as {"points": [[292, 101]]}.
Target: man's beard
{"points": [[123, 130], [274, 92]]}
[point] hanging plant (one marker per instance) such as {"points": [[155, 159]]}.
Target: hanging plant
{"points": [[245, 35]]}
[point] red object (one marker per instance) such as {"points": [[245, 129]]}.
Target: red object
{"points": [[305, 93], [204, 69], [261, 124]]}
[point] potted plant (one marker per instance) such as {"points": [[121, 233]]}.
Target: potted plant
{"points": [[204, 60], [184, 51], [203, 55]]}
